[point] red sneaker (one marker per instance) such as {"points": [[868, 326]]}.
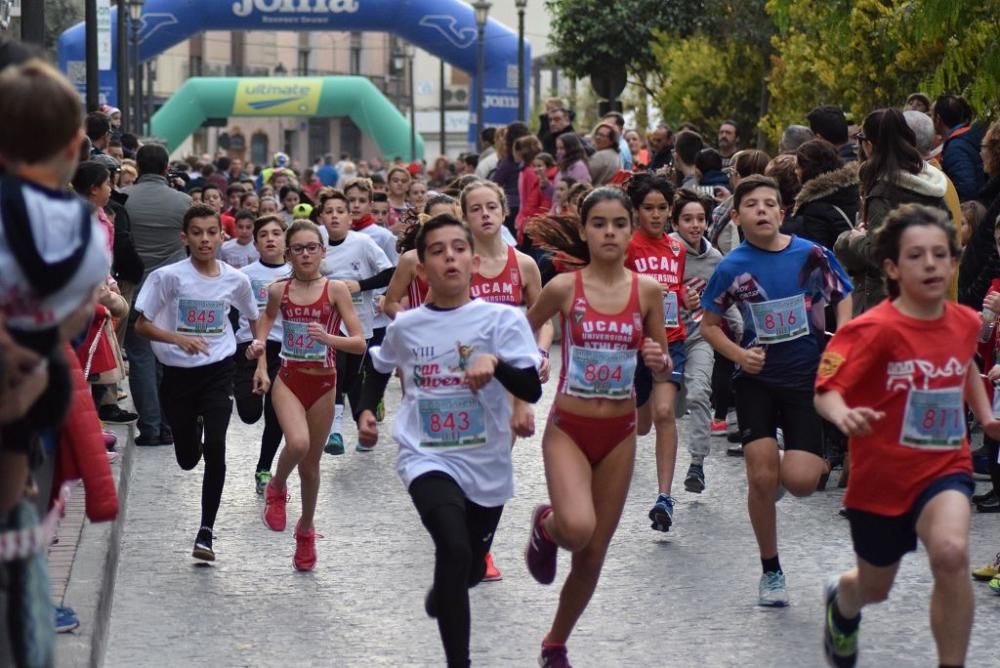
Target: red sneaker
{"points": [[305, 549], [718, 427], [540, 553], [274, 507], [492, 572]]}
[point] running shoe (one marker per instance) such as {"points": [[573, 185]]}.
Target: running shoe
{"points": [[66, 619], [718, 427], [994, 585], [334, 445], [694, 481], [380, 411], [989, 571], [841, 649], [662, 514], [110, 440], [305, 549], [987, 498], [554, 656], [771, 592], [492, 572], [203, 545], [540, 553], [361, 447], [735, 450], [261, 478], [274, 506], [113, 414], [732, 427]]}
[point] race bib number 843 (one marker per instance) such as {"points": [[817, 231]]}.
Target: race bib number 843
{"points": [[452, 422]]}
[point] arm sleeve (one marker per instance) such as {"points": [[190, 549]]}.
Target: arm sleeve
{"points": [[372, 388], [523, 383], [379, 280], [385, 357]]}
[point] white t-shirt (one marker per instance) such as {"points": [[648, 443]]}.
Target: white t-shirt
{"points": [[179, 299], [356, 258], [261, 277], [441, 425], [56, 226], [386, 240], [238, 255]]}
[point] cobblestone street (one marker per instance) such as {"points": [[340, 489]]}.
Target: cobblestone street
{"points": [[682, 599]]}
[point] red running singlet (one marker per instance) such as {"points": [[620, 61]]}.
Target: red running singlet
{"points": [[504, 288], [417, 291], [298, 349], [588, 328]]}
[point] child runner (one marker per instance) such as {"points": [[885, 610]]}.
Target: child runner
{"points": [[653, 253], [608, 315], [782, 285], [503, 276], [357, 260], [380, 207], [184, 311], [399, 185], [359, 199], [459, 357], [690, 215], [311, 308], [886, 381], [240, 251], [269, 232]]}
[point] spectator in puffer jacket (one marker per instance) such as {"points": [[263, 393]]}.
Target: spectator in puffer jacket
{"points": [[960, 158], [828, 202]]}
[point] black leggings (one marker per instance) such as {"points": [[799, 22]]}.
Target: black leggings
{"points": [[463, 533], [722, 385], [251, 406], [349, 377], [205, 392]]}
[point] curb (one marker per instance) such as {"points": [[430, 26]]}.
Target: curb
{"points": [[90, 590]]}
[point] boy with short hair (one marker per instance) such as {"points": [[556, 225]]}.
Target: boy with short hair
{"points": [[184, 310], [380, 208], [240, 251]]}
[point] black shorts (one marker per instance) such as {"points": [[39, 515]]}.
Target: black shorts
{"points": [[882, 540], [644, 377], [762, 409]]}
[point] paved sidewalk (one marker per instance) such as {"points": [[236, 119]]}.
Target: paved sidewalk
{"points": [[686, 598]]}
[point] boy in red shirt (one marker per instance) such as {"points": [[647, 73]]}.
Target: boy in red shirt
{"points": [[886, 381]]}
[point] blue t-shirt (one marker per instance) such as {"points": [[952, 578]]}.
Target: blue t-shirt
{"points": [[782, 296]]}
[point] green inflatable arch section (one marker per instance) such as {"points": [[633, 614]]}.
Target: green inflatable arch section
{"points": [[200, 98]]}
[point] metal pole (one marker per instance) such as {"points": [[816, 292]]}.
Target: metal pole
{"points": [[520, 65], [413, 116], [479, 80], [136, 81], [121, 55], [33, 22], [148, 99], [90, 39], [444, 137]]}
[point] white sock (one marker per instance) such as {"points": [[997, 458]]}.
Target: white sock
{"points": [[338, 418]]}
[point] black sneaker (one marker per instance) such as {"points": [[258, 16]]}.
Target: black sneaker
{"points": [[989, 498], [142, 440], [166, 436], [113, 414], [695, 479], [735, 451], [203, 545], [430, 607]]}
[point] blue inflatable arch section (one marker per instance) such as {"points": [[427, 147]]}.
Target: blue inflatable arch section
{"points": [[444, 28]]}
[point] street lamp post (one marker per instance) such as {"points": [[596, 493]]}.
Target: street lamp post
{"points": [[521, 5], [482, 8], [135, 14], [410, 51], [121, 54]]}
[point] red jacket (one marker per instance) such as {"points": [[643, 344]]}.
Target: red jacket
{"points": [[81, 451]]}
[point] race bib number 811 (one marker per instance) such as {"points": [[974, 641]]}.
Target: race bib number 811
{"points": [[452, 422], [934, 419]]}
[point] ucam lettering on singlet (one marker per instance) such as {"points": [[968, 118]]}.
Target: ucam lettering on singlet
{"points": [[243, 8], [485, 290], [900, 374], [296, 311], [651, 264], [606, 327]]}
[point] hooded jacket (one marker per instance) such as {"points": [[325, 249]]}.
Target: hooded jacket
{"points": [[961, 161], [857, 254], [698, 269], [826, 206]]}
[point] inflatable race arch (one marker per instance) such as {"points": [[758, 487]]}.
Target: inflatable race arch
{"points": [[200, 98], [444, 28]]}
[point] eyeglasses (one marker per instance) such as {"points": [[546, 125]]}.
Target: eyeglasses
{"points": [[299, 249]]}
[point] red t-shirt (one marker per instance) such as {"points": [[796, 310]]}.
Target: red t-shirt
{"points": [[662, 259], [913, 370]]}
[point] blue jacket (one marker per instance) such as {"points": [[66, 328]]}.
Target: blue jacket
{"points": [[961, 161]]}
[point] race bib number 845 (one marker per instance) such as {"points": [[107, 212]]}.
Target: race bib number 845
{"points": [[200, 316]]}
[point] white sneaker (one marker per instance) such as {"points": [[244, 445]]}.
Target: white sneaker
{"points": [[771, 592]]}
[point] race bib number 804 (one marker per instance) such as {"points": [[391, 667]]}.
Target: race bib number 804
{"points": [[601, 374]]}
